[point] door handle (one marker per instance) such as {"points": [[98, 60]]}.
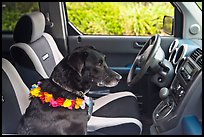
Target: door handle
{"points": [[138, 44]]}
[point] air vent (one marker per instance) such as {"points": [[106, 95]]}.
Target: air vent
{"points": [[196, 53], [181, 52], [199, 61], [173, 45]]}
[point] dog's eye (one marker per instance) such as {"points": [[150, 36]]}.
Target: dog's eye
{"points": [[100, 63]]}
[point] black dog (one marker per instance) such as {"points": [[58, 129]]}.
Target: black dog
{"points": [[59, 104]]}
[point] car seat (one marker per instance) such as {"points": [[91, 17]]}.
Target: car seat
{"points": [[35, 52], [37, 62], [112, 114], [15, 98]]}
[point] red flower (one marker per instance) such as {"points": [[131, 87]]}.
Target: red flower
{"points": [[72, 105], [60, 101], [42, 97]]}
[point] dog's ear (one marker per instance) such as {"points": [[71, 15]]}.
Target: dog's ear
{"points": [[77, 60]]}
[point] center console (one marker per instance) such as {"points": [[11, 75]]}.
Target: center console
{"points": [[168, 112]]}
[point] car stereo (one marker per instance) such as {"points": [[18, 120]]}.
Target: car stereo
{"points": [[187, 71]]}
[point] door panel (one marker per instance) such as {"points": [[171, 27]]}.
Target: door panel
{"points": [[120, 53], [120, 50]]}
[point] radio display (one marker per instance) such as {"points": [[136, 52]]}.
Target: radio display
{"points": [[189, 69]]}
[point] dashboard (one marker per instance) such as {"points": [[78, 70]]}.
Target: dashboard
{"points": [[187, 73], [185, 91], [179, 49]]}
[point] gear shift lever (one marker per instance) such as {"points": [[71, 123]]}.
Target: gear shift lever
{"points": [[163, 112], [164, 95]]}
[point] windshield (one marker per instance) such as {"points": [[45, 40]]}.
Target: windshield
{"points": [[199, 5]]}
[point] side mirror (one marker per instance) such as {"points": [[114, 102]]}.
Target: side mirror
{"points": [[168, 22]]}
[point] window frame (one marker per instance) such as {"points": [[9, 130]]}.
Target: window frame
{"points": [[73, 30], [11, 32]]}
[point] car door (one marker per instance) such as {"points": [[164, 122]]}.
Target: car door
{"points": [[120, 49]]}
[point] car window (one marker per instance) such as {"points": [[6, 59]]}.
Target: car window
{"points": [[199, 5], [12, 11], [119, 18]]}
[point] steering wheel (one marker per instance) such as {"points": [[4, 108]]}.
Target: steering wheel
{"points": [[144, 59]]}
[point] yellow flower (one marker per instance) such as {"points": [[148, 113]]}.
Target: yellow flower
{"points": [[79, 102], [34, 85], [48, 97], [67, 103], [35, 92]]}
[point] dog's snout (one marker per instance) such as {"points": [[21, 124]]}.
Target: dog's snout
{"points": [[118, 76]]}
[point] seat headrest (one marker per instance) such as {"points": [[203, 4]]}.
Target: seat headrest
{"points": [[29, 28]]}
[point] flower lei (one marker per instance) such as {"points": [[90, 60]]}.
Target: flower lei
{"points": [[46, 97]]}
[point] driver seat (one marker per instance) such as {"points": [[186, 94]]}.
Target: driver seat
{"points": [[113, 114]]}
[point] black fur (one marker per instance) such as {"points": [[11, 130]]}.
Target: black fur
{"points": [[78, 72]]}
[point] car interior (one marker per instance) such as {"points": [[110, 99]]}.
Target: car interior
{"points": [[160, 92]]}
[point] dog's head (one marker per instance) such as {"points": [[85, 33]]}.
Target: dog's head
{"points": [[90, 67]]}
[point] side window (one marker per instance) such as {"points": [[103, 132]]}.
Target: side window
{"points": [[119, 18], [12, 11]]}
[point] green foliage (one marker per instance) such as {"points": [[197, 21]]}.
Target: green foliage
{"points": [[93, 18], [105, 18], [199, 4], [119, 18], [12, 11]]}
